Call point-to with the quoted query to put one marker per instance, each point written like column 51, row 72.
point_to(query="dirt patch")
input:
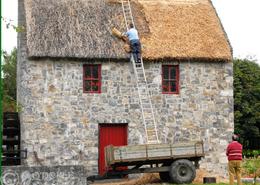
column 145, row 179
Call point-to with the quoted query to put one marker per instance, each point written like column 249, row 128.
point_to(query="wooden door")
column 110, row 134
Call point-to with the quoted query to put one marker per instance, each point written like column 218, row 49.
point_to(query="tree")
column 9, row 80
column 247, row 98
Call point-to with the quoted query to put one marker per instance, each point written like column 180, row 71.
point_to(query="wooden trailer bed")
column 151, row 152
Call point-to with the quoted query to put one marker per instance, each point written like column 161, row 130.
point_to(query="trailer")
column 175, row 163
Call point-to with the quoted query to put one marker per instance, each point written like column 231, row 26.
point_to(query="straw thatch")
column 82, row 29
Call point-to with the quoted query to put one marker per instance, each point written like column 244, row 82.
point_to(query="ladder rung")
column 150, row 125
column 152, row 137
column 147, row 109
column 151, row 133
column 144, row 98
column 152, row 141
column 147, row 113
column 142, row 85
column 142, row 88
column 146, row 104
column 143, row 92
column 150, row 111
column 148, row 120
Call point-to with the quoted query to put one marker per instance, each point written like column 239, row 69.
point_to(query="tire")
column 182, row 172
column 164, row 176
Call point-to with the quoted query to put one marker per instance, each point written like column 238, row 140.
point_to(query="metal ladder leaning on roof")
column 143, row 91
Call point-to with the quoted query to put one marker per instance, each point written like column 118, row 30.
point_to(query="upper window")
column 170, row 79
column 92, row 78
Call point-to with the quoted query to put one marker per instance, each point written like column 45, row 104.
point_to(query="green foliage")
column 252, row 166
column 251, row 153
column 9, row 81
column 247, row 98
column 221, row 183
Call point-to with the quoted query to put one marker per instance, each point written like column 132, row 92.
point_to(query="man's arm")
column 227, row 150
column 125, row 33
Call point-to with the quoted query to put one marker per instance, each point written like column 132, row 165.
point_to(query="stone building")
column 77, row 87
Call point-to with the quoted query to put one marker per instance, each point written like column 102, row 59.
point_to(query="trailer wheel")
column 182, row 171
column 164, row 176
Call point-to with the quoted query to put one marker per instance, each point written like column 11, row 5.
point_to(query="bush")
column 251, row 153
column 252, row 166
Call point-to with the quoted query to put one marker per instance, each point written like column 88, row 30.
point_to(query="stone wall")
column 58, row 175
column 58, row 118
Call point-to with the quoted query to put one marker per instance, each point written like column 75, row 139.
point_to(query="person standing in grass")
column 234, row 154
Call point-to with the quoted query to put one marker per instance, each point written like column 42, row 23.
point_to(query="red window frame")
column 95, row 82
column 167, row 89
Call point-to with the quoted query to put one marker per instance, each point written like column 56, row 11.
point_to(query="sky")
column 240, row 19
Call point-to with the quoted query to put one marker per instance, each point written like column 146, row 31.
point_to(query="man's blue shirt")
column 132, row 34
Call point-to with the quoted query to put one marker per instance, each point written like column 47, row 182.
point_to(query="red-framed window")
column 170, row 79
column 92, row 78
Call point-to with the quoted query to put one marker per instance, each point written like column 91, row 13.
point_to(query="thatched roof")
column 82, row 29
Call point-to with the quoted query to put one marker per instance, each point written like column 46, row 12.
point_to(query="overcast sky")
column 240, row 19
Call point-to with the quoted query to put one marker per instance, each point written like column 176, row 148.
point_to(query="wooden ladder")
column 148, row 117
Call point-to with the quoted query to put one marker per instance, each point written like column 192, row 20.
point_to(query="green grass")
column 211, row 184
column 214, row 184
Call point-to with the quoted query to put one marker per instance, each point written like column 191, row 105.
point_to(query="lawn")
column 225, row 184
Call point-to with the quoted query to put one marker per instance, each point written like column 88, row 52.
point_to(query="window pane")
column 95, row 85
column 165, row 72
column 173, row 72
column 95, row 71
column 87, row 72
column 165, row 86
column 87, row 85
column 173, row 87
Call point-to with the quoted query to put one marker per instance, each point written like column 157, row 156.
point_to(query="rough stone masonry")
column 60, row 122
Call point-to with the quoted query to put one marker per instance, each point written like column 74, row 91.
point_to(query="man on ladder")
column 135, row 45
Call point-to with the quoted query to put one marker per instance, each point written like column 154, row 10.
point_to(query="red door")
column 110, row 134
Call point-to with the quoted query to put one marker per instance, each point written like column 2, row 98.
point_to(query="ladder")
column 148, row 117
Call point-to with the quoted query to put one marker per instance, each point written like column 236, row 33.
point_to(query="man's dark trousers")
column 136, row 49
